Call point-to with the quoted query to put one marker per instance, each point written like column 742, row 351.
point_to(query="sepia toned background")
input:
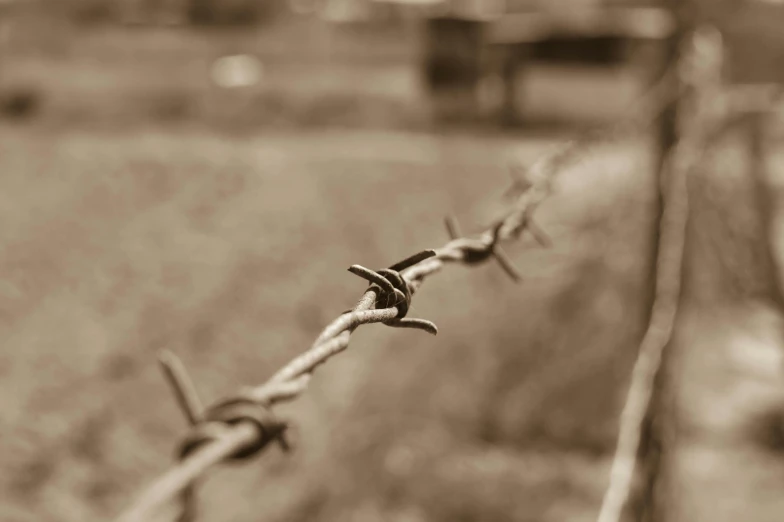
column 198, row 176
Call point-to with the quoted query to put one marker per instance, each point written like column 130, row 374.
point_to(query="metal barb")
column 182, row 386
column 284, row 442
column 189, row 403
column 520, row 185
column 500, row 255
column 507, row 265
column 396, row 292
column 475, row 251
column 372, row 277
column 418, row 324
column 452, row 227
column 538, row 233
column 413, row 260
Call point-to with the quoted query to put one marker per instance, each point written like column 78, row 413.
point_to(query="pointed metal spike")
column 452, row 227
column 539, row 234
column 182, row 385
column 418, row 324
column 519, row 185
column 412, row 260
column 372, row 277
column 283, row 440
column 507, row 265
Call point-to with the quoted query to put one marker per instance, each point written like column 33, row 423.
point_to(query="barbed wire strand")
column 695, row 73
column 647, row 106
column 242, row 425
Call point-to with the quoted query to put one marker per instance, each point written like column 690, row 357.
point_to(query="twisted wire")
column 239, row 427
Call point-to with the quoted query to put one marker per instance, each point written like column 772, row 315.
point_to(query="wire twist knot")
column 475, row 251
column 218, row 418
column 395, row 292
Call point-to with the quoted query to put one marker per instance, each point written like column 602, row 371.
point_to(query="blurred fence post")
column 703, row 109
column 646, row 504
column 650, row 448
column 649, row 503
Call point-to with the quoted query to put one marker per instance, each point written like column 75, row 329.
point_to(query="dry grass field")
column 234, row 254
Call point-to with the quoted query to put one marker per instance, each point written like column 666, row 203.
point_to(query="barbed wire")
column 239, row 427
column 699, row 72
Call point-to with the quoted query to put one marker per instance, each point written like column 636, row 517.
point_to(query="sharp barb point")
column 453, row 227
column 182, row 385
column 507, row 265
column 284, row 443
column 418, row 324
column 539, row 234
column 372, row 277
column 413, row 260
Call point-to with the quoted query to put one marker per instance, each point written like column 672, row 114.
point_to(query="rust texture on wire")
column 241, row 426
column 699, row 71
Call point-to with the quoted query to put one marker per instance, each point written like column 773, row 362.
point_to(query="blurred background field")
column 144, row 206
column 236, row 257
column 310, row 73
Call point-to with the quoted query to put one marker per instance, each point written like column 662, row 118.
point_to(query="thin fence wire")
column 699, row 71
column 239, row 427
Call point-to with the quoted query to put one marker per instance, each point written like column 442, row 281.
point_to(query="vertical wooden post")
column 650, row 501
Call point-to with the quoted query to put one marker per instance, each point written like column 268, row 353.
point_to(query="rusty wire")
column 699, row 71
column 239, row 427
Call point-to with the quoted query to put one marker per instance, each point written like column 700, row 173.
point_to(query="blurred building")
column 468, row 42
